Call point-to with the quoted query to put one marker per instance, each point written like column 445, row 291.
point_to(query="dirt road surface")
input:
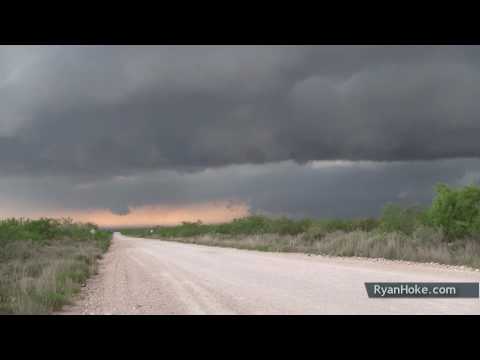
column 142, row 276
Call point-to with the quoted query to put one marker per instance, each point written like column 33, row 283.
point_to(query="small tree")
column 456, row 211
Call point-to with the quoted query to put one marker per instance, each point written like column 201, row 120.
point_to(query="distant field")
column 44, row 262
column 448, row 232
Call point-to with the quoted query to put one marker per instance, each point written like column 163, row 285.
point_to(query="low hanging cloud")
column 317, row 189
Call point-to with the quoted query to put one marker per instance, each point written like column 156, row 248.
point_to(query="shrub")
column 456, row 211
column 316, row 231
column 395, row 218
column 284, row 226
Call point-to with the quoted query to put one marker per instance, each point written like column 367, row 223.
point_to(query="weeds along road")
column 142, row 276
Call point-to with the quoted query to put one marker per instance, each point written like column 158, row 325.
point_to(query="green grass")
column 43, row 263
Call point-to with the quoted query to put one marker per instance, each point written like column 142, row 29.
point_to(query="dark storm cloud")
column 104, row 111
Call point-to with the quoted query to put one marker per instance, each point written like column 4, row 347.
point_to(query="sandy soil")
column 141, row 276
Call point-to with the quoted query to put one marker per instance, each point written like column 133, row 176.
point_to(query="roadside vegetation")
column 43, row 263
column 447, row 232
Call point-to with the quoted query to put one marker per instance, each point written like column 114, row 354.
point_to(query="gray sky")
column 301, row 131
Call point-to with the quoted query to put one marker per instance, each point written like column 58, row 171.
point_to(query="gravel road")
column 142, row 276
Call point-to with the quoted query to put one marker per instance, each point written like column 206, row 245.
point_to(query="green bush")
column 316, row 231
column 456, row 211
column 368, row 224
column 395, row 218
column 48, row 229
column 285, row 226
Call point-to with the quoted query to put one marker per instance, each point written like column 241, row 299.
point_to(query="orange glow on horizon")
column 214, row 212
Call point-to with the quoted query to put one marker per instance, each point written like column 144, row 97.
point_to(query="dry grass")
column 424, row 245
column 40, row 278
